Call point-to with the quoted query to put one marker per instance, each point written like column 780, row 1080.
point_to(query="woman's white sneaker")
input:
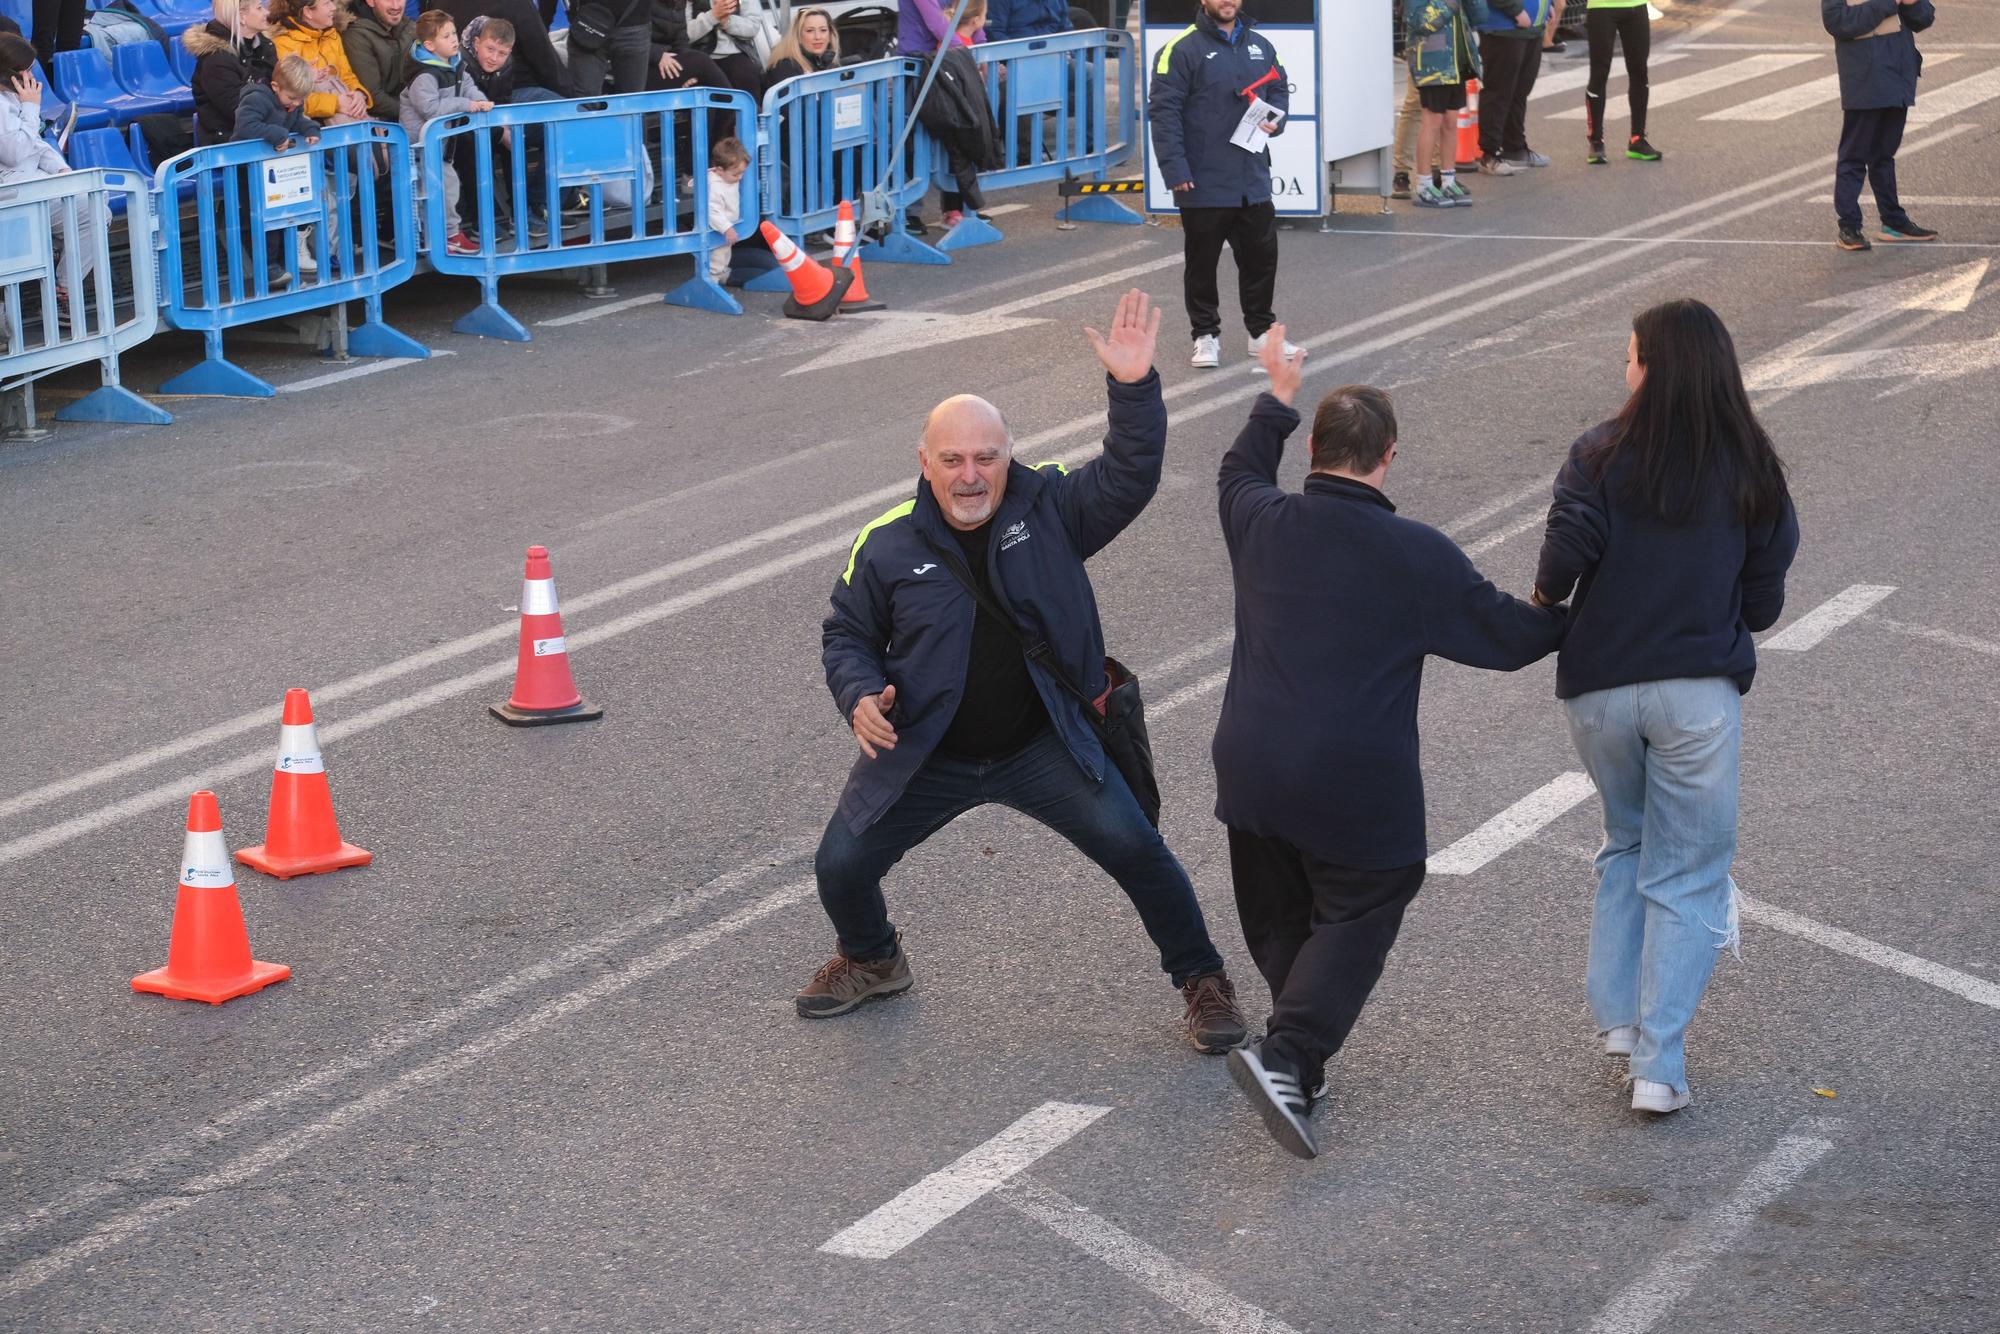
column 1651, row 1096
column 1622, row 1040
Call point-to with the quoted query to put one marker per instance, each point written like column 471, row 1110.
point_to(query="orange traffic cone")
column 816, row 289
column 301, row 836
column 1468, row 126
column 208, row 958
column 544, row 691
column 847, row 255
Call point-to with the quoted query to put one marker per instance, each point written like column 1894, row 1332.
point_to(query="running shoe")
column 1622, row 1040
column 1274, row 1092
column 1530, row 158
column 952, row 217
column 1497, row 166
column 1460, row 196
column 1257, row 350
column 1596, row 156
column 1909, row 231
column 1429, row 196
column 1207, row 352
column 1641, row 151
column 458, row 243
column 1851, row 238
column 1652, row 1096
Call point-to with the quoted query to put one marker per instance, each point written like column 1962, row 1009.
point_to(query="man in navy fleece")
column 1338, row 602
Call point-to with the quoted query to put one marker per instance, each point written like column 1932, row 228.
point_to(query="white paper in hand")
column 1251, row 136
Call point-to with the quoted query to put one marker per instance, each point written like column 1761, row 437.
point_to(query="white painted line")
column 1189, row 657
column 1700, row 84
column 1492, row 540
column 1002, row 210
column 1646, row 240
column 946, row 1191
column 599, row 310
column 1821, row 47
column 355, row 372
column 1523, row 820
column 1790, row 101
column 33, row 1273
column 1567, row 314
column 1975, row 989
column 1986, row 646
column 1673, row 1275
column 1709, row 25
column 1573, row 80
column 1186, row 1291
column 1189, row 694
column 1935, row 104
column 1473, row 518
column 1926, row 201
column 1827, row 617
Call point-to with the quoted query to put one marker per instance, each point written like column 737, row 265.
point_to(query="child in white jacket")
column 728, row 160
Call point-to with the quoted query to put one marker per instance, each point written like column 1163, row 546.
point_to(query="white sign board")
column 288, row 182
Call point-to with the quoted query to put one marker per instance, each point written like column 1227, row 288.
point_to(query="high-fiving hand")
column 871, row 722
column 1285, row 372
column 1127, row 353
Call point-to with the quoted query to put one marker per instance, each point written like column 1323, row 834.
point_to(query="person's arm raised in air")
column 1100, row 498
column 1248, row 479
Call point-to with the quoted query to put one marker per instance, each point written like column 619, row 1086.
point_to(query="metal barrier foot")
column 221, row 378
column 376, row 339
column 899, row 247
column 114, row 403
column 702, row 293
column 489, row 321
column 972, row 230
column 1102, row 208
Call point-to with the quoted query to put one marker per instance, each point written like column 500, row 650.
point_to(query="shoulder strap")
column 1038, row 651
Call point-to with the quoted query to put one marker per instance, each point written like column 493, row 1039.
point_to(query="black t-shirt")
column 1000, row 712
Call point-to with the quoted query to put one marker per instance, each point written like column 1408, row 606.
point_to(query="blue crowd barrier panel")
column 266, row 235
column 1066, row 106
column 831, row 136
column 68, row 295
column 566, row 185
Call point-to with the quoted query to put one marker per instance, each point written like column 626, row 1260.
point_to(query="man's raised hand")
column 1127, row 353
column 1285, row 372
column 871, row 722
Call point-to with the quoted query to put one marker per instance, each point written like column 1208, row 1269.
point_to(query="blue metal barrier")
column 1052, row 100
column 831, row 136
column 43, row 329
column 240, row 251
column 620, row 153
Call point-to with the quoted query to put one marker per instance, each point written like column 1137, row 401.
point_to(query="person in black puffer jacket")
column 230, row 51
column 811, row 46
column 958, row 116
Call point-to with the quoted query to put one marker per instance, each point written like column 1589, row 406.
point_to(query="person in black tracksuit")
column 1875, row 46
column 1223, row 192
column 1338, row 602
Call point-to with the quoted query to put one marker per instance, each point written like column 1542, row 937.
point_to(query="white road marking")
column 1673, row 1275
column 716, row 483
column 1473, row 518
column 355, row 372
column 1699, row 84
column 1914, row 364
column 1492, row 540
column 1188, row 694
column 1188, row 657
column 1809, row 629
column 598, row 310
column 1937, row 290
column 1179, row 1287
column 1789, row 101
column 1573, row 80
column 1935, row 104
column 1925, row 201
column 1523, row 820
column 1975, row 989
column 33, row 1273
column 949, row 1189
column 1567, row 314
column 1647, row 240
column 1709, row 25
column 1986, row 646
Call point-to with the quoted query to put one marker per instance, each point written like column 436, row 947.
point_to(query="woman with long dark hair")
column 1673, row 526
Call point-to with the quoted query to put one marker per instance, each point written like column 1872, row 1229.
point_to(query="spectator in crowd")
column 230, row 50
column 1673, row 525
column 1007, row 19
column 739, row 258
column 1875, row 50
column 58, row 26
column 26, row 156
column 959, row 117
column 610, row 38
column 1202, row 80
column 811, row 45
column 488, row 56
column 440, row 85
column 310, row 29
column 922, row 27
column 1439, row 50
column 378, row 45
column 1552, row 39
column 1510, row 53
column 676, row 62
column 275, row 112
column 926, row 656
column 1409, row 116
column 1627, row 23
column 540, row 66
column 1317, row 775
column 738, row 35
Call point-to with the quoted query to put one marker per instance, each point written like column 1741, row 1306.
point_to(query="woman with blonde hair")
column 811, row 44
column 310, row 30
column 231, row 50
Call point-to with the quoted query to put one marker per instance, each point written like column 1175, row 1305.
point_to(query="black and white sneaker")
column 1274, row 1091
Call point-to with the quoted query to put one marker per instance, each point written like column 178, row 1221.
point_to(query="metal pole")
column 885, row 192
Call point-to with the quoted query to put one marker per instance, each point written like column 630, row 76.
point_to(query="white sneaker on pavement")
column 1207, row 352
column 1622, row 1040
column 1651, row 1096
column 1257, row 350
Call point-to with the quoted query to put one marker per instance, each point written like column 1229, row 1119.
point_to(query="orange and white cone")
column 1468, row 126
column 301, row 837
column 208, row 958
column 816, row 289
column 847, row 255
column 544, row 690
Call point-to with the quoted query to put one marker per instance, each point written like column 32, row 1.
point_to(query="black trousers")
column 57, row 26
column 1512, row 63
column 1630, row 27
column 1868, row 143
column 1320, row 934
column 1251, row 232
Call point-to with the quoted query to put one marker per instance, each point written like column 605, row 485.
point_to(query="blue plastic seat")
column 142, row 67
column 87, row 118
column 22, row 12
column 183, row 62
column 104, row 148
column 84, row 76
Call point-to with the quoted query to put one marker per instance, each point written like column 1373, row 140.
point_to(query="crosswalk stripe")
column 1954, row 98
column 1707, row 81
column 1790, row 101
column 1573, row 80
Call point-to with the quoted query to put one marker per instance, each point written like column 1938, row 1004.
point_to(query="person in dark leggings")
column 58, row 26
column 1624, row 21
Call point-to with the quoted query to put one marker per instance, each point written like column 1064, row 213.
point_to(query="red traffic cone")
column 544, row 691
column 1468, row 126
column 301, row 836
column 847, row 255
column 816, row 289
column 208, row 958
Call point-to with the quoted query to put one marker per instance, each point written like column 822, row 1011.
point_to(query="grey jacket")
column 434, row 90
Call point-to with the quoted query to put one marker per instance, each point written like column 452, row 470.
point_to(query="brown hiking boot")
column 1213, row 1022
column 843, row 983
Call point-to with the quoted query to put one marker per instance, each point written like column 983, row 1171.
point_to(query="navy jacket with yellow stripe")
column 900, row 617
column 1195, row 102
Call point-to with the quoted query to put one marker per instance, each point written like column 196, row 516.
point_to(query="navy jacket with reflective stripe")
column 900, row 616
column 1194, row 104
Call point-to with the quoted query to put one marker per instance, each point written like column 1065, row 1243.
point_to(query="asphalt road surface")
column 537, row 1067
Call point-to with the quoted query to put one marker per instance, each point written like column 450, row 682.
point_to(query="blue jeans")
column 1043, row 782
column 1664, row 757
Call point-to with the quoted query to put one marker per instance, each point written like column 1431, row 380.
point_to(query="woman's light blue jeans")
column 1663, row 755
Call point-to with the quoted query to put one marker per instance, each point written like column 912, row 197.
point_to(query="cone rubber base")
column 862, row 306
column 823, row 308
column 160, row 982
column 581, row 711
column 257, row 859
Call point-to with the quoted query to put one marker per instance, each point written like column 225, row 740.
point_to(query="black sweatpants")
column 56, row 25
column 1512, row 63
column 1634, row 35
column 1251, row 231
column 1320, row 934
column 1868, row 143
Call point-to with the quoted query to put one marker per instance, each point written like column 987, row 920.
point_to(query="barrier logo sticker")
column 288, row 182
column 847, row 112
column 207, row 877
column 548, row 648
column 301, row 764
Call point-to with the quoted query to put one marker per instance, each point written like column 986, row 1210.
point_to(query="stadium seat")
column 142, row 67
column 183, row 63
column 57, row 110
column 84, row 77
column 104, row 148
